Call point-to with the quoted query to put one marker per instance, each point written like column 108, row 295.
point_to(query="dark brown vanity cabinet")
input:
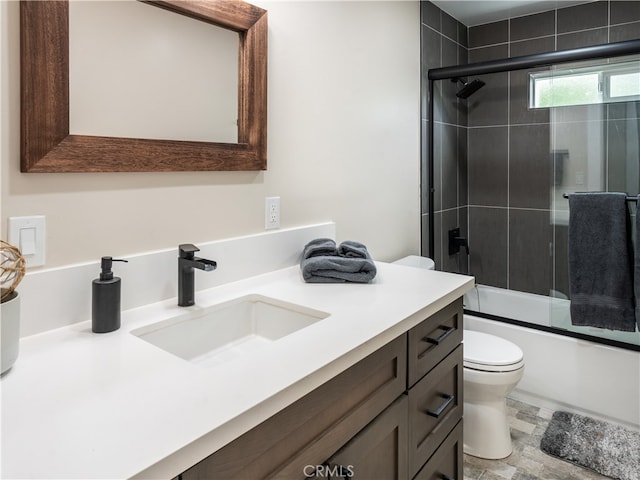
column 396, row 414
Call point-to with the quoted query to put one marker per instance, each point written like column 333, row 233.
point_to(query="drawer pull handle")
column 448, row 399
column 445, row 334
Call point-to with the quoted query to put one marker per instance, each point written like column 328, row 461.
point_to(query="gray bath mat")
column 606, row 448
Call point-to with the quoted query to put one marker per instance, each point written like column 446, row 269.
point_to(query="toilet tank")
column 416, row 261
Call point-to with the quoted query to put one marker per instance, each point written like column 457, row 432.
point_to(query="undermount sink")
column 217, row 334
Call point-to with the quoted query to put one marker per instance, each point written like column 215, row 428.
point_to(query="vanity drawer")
column 433, row 339
column 447, row 463
column 311, row 429
column 435, row 407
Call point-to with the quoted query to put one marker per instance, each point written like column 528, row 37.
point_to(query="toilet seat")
column 489, row 353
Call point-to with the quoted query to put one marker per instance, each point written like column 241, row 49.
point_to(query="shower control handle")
column 448, row 399
column 437, row 341
column 456, row 241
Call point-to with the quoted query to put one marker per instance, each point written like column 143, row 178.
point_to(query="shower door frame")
column 616, row 49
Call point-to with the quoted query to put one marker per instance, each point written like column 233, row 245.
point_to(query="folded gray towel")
column 350, row 262
column 319, row 246
column 351, row 249
column 600, row 269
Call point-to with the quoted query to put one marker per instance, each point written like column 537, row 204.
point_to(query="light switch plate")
column 28, row 234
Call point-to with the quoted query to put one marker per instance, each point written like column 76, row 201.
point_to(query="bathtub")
column 561, row 372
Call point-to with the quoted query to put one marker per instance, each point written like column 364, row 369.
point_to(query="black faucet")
column 186, row 278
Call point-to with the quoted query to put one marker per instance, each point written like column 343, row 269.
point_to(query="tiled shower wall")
column 496, row 186
column 444, row 43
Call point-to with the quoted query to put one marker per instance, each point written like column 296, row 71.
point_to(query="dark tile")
column 441, row 94
column 488, row 245
column 449, row 52
column 431, row 48
column 490, row 104
column 530, row 235
column 424, row 237
column 579, row 114
column 430, row 15
column 437, row 166
column 449, row 166
column 463, row 222
column 424, row 93
column 489, row 34
column 450, row 263
column 620, row 33
column 585, row 38
column 582, row 143
column 463, row 112
column 449, row 105
column 463, row 173
column 582, row 17
column 624, row 11
column 483, row 54
column 530, row 173
column 536, row 45
column 623, row 110
column 519, row 110
column 437, row 241
column 424, row 179
column 431, row 58
column 533, row 26
column 463, row 55
column 449, row 26
column 488, row 166
column 623, row 152
column 463, row 34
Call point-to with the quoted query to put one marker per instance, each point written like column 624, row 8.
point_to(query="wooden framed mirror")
column 47, row 146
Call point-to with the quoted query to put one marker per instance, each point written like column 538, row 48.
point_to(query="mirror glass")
column 178, row 79
column 51, row 142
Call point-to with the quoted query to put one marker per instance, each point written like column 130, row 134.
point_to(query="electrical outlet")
column 272, row 212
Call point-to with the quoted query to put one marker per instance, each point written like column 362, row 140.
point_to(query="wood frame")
column 47, row 146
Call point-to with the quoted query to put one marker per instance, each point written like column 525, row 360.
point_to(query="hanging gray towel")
column 600, row 261
column 636, row 269
column 323, row 262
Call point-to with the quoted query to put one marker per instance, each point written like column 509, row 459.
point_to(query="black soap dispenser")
column 105, row 299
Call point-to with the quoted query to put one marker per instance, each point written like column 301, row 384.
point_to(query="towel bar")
column 629, row 199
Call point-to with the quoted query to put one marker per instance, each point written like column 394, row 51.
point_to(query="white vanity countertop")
column 83, row 405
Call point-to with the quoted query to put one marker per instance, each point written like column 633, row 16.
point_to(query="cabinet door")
column 312, row 429
column 379, row 451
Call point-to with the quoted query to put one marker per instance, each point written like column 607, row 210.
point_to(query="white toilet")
column 493, row 366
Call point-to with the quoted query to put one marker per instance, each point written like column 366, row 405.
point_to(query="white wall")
column 343, row 145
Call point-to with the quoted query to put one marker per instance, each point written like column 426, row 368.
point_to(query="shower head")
column 469, row 88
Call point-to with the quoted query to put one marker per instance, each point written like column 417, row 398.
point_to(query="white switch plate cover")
column 21, row 235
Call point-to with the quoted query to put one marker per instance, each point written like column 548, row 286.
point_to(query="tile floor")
column 527, row 462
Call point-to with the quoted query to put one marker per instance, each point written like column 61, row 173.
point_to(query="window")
column 618, row 82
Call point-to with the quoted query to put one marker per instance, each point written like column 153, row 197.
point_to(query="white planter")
column 9, row 331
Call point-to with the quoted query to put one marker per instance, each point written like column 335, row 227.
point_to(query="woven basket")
column 12, row 268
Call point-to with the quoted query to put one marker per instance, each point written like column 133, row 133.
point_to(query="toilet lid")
column 486, row 352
